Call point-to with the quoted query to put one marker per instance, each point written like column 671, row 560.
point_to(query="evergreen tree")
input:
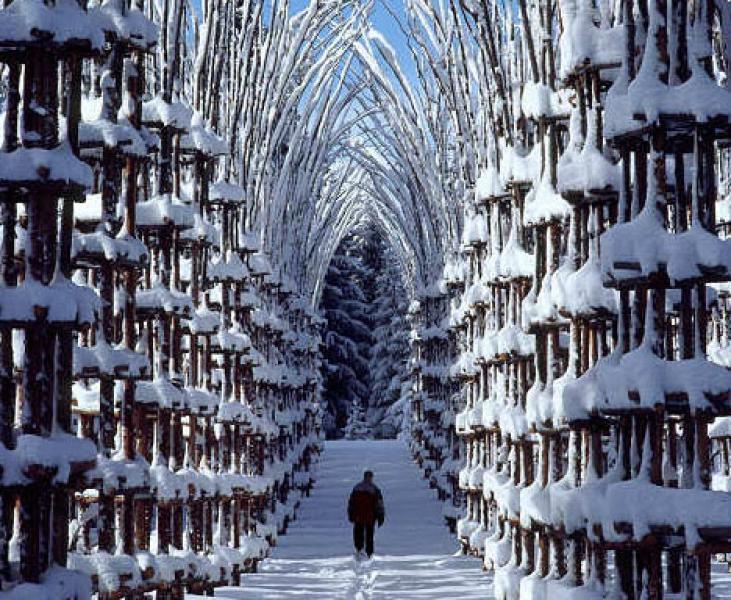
column 367, row 347
column 357, row 427
column 348, row 338
column 390, row 351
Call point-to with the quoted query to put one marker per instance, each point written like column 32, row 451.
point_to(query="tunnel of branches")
column 536, row 190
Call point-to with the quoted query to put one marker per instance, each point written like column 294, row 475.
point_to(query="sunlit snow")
column 414, row 550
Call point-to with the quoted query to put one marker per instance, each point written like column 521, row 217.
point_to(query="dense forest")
column 366, row 340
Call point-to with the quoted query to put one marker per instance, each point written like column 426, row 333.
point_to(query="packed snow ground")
column 414, row 551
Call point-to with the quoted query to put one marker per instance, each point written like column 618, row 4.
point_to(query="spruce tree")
column 348, row 338
column 364, row 302
column 390, row 351
column 357, row 427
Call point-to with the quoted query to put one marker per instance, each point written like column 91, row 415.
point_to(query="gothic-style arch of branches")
column 554, row 181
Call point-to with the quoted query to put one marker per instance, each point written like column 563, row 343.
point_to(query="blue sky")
column 383, row 22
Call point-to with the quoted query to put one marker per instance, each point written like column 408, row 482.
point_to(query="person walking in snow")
column 365, row 508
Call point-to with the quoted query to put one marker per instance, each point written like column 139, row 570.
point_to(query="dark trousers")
column 363, row 532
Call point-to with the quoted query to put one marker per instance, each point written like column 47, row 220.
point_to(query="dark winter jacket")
column 365, row 506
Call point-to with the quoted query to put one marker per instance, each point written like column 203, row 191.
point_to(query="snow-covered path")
column 414, row 550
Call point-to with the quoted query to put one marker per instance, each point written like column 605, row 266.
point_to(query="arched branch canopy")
column 339, row 136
